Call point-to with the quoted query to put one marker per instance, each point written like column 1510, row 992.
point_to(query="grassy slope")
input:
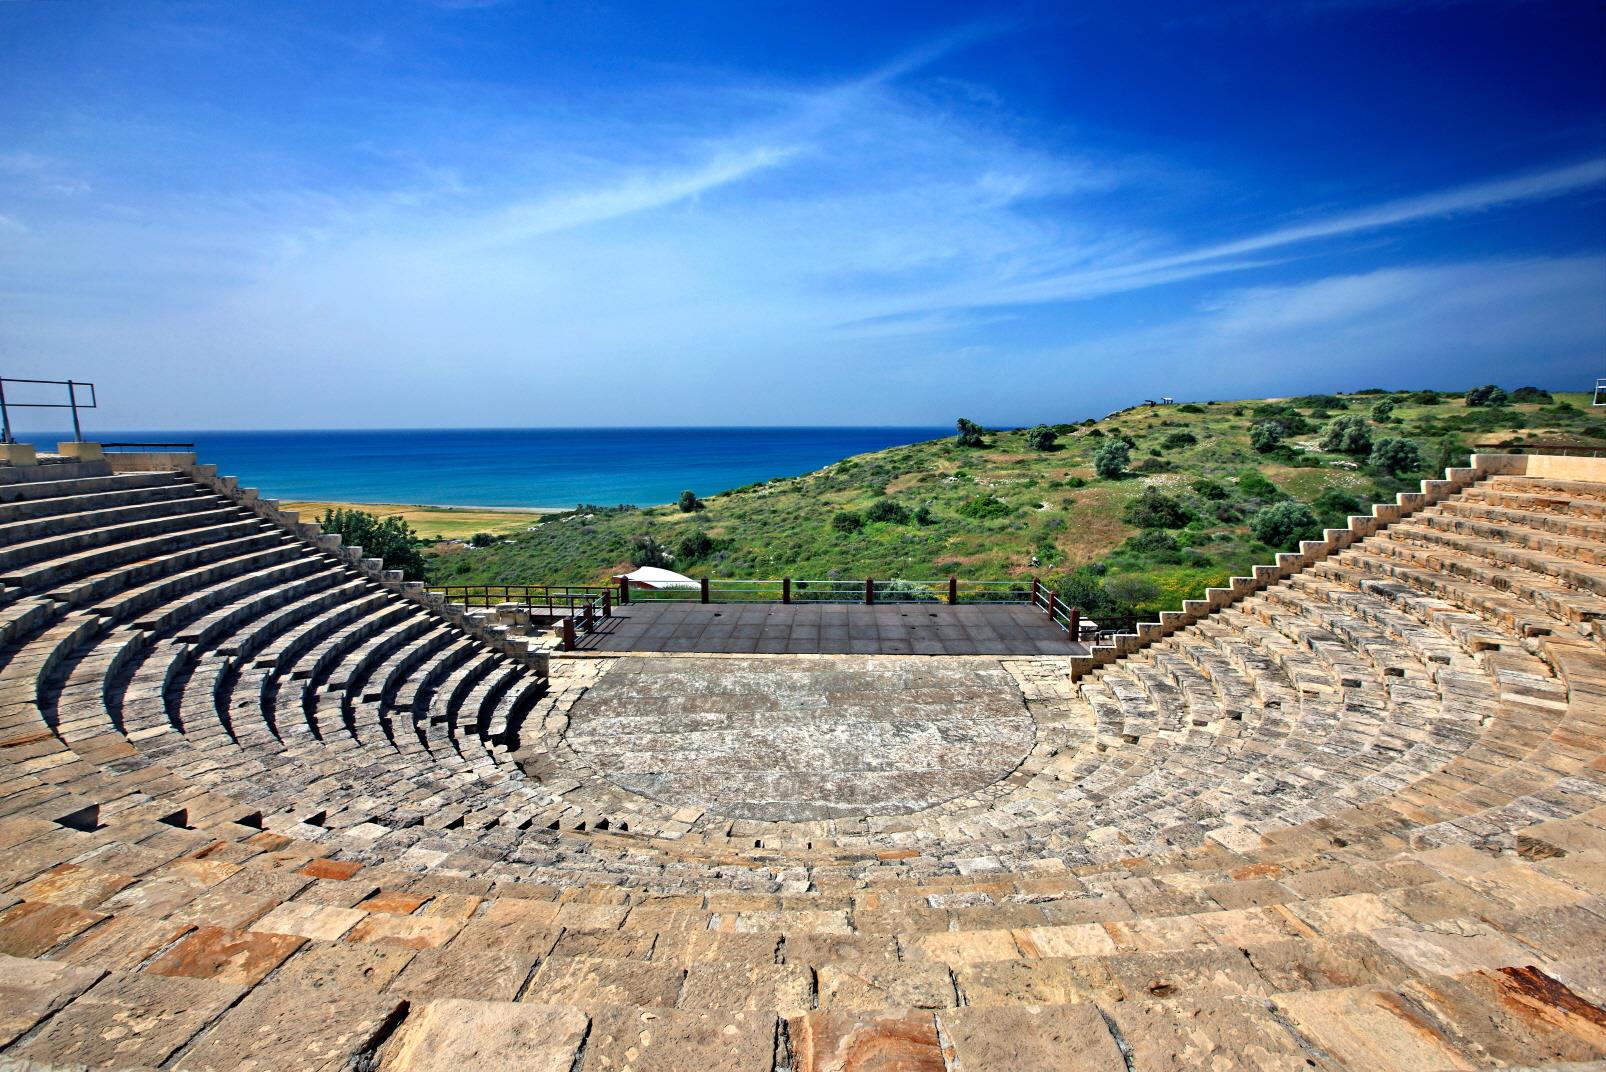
column 782, row 528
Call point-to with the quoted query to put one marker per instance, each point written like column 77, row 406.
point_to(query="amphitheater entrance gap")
column 802, row 738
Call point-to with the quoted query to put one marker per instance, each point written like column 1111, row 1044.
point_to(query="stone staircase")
column 262, row 808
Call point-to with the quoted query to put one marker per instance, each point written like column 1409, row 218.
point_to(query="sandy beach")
column 446, row 522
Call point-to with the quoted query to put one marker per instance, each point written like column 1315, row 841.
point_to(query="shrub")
column 1189, row 407
column 688, row 502
column 924, row 516
column 1395, row 456
column 1267, row 436
column 1151, row 541
column 1424, row 398
column 847, row 521
column 1042, row 438
column 1209, row 489
column 898, row 590
column 1335, row 505
column 887, row 510
column 985, row 508
column 1131, row 591
column 1323, row 402
column 969, row 433
column 1348, row 435
column 1076, row 481
column 647, row 551
column 482, row 539
column 1253, row 484
column 1487, row 395
column 1154, row 509
column 1531, row 394
column 1178, row 440
column 1383, row 411
column 1293, row 422
column 693, row 547
column 391, row 539
column 1282, row 525
column 1111, row 459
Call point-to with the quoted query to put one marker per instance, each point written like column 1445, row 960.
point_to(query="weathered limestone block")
column 455, row 1035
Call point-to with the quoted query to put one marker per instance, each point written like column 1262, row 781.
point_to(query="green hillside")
column 1195, row 502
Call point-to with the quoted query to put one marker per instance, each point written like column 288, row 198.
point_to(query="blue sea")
column 531, row 467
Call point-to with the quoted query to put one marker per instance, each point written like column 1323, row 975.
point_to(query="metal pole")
column 72, row 401
column 5, row 412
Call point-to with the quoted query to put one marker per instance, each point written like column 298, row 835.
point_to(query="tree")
column 1042, row 438
column 1383, row 411
column 647, row 551
column 1487, row 395
column 969, row 433
column 1110, row 460
column 847, row 521
column 391, row 539
column 1209, row 489
column 1395, row 456
column 1348, row 435
column 482, row 539
column 1531, row 394
column 1267, row 436
column 1282, row 525
column 688, row 502
column 1154, row 509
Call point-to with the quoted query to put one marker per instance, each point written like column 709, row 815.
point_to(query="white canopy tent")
column 654, row 577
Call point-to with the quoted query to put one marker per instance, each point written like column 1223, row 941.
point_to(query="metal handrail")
column 72, row 403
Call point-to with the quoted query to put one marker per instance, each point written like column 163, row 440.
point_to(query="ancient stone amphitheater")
column 263, row 806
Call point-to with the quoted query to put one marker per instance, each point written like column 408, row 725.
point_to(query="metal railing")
column 553, row 598
column 584, row 607
column 72, row 403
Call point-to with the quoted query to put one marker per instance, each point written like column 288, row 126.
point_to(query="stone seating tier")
column 262, row 808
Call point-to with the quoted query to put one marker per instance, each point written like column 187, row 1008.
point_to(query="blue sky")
column 459, row 213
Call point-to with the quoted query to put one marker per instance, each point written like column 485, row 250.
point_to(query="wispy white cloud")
column 1232, row 256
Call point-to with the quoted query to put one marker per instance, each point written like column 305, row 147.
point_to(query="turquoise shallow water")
column 537, row 467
